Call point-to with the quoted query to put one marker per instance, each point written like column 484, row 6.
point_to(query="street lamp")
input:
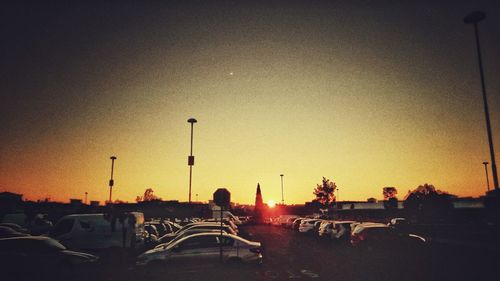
column 474, row 18
column 191, row 157
column 86, row 197
column 282, row 197
column 111, row 181
column 486, row 170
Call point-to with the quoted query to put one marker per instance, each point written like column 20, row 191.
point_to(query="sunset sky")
column 366, row 93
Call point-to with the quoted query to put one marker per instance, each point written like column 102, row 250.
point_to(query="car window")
column 63, row 227
column 199, row 242
column 358, row 229
column 226, row 241
column 381, row 232
column 85, row 225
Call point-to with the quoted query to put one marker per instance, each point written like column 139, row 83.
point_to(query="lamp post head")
column 112, row 157
column 192, row 120
column 485, row 163
column 281, row 175
column 474, row 17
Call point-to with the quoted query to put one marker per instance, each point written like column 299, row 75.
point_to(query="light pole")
column 474, row 18
column 486, row 171
column 111, row 181
column 86, row 197
column 191, row 157
column 282, row 197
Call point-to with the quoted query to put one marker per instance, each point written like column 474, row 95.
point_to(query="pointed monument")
column 259, row 206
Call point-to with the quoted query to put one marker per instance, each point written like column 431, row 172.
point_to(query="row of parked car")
column 357, row 234
column 201, row 241
column 82, row 238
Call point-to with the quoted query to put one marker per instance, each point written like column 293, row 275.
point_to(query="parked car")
column 7, row 232
column 15, row 227
column 341, row 230
column 325, row 229
column 289, row 222
column 275, row 221
column 317, row 224
column 151, row 229
column 16, row 218
column 171, row 226
column 226, row 221
column 40, row 225
column 205, row 226
column 161, row 227
column 232, row 226
column 203, row 248
column 381, row 236
column 39, row 254
column 191, row 232
column 296, row 223
column 96, row 231
column 282, row 220
column 400, row 224
column 307, row 225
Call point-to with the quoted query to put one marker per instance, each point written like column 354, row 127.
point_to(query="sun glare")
column 271, row 203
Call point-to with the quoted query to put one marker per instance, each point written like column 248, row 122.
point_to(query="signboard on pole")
column 222, row 198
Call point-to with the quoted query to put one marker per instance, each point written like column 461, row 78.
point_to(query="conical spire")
column 259, row 206
column 258, row 197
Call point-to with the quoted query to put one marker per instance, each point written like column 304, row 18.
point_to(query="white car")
column 325, row 229
column 99, row 231
column 203, row 248
column 307, row 225
column 341, row 229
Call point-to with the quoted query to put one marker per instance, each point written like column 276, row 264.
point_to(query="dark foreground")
column 289, row 255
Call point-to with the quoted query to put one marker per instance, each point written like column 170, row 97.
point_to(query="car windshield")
column 54, row 244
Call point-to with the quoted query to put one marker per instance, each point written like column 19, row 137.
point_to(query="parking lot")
column 289, row 255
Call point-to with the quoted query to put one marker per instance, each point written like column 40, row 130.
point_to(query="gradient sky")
column 366, row 93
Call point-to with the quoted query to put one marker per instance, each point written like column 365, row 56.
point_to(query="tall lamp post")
column 474, row 18
column 86, row 197
column 485, row 163
column 282, row 197
column 111, row 181
column 191, row 157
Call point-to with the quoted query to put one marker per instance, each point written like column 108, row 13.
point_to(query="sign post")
column 222, row 198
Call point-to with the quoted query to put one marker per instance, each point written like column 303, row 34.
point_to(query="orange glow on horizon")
column 271, row 203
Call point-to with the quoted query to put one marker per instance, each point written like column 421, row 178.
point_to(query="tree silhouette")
column 324, row 192
column 427, row 202
column 148, row 196
column 390, row 197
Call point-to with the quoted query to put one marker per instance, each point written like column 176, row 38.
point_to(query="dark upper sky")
column 83, row 78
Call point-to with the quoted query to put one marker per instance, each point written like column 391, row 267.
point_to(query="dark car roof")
column 29, row 241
